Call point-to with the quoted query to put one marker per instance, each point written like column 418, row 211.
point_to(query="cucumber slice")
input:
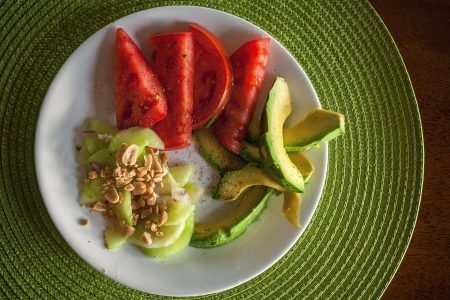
column 168, row 182
column 83, row 156
column 179, row 215
column 103, row 158
column 92, row 142
column 138, row 136
column 92, row 192
column 182, row 174
column 123, row 210
column 181, row 243
column 170, row 235
column 113, row 237
column 194, row 191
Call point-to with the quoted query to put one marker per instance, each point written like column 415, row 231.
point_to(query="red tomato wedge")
column 249, row 67
column 174, row 65
column 213, row 77
column 140, row 98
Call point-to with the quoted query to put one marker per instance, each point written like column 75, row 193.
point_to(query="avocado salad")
column 193, row 91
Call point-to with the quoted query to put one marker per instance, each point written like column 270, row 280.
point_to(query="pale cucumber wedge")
column 103, row 158
column 93, row 142
column 168, row 183
column 194, row 191
column 113, row 237
column 138, row 136
column 83, row 156
column 181, row 243
column 170, row 235
column 91, row 192
column 179, row 215
column 123, row 210
column 182, row 174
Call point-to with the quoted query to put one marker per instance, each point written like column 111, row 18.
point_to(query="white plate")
column 84, row 87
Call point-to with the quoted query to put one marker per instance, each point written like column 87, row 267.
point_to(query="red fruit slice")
column 174, row 65
column 249, row 67
column 212, row 79
column 140, row 99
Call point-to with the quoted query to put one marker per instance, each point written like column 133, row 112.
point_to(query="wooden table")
column 421, row 30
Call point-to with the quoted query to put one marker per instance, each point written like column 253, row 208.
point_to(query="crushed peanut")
column 84, row 222
column 127, row 231
column 111, row 194
column 163, row 218
column 146, row 213
column 159, row 234
column 146, row 238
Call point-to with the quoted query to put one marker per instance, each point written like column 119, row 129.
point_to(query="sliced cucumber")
column 182, row 174
column 83, row 156
column 194, row 191
column 113, row 237
column 103, row 158
column 168, row 183
column 179, row 215
column 92, row 192
column 181, row 243
column 170, row 235
column 93, row 142
column 138, row 136
column 123, row 210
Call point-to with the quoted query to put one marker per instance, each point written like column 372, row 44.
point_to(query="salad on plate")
column 192, row 92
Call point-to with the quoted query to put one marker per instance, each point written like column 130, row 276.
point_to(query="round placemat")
column 369, row 206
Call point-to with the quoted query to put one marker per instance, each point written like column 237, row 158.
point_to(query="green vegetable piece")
column 139, row 136
column 92, row 191
column 194, row 191
column 93, row 142
column 103, row 158
column 226, row 229
column 211, row 150
column 123, row 210
column 180, row 214
column 182, row 174
column 113, row 237
column 181, row 243
column 318, row 126
column 273, row 156
column 170, row 235
column 234, row 183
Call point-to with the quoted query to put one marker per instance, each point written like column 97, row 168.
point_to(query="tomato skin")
column 213, row 76
column 140, row 98
column 174, row 64
column 249, row 66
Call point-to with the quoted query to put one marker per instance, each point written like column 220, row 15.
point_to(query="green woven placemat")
column 368, row 209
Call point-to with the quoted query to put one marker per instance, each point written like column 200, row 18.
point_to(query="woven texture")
column 369, row 206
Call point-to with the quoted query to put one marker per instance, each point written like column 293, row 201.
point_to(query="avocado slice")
column 224, row 230
column 234, row 183
column 251, row 153
column 318, row 126
column 291, row 208
column 214, row 153
column 273, row 156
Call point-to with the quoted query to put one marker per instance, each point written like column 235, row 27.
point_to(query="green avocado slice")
column 214, row 153
column 318, row 126
column 234, row 183
column 273, row 155
column 224, row 230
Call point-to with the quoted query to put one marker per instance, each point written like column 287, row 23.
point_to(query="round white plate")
column 84, row 88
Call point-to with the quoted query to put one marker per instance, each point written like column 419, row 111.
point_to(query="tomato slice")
column 213, row 77
column 249, row 66
column 140, row 99
column 174, row 65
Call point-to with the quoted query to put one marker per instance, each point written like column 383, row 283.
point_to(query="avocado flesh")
column 273, row 155
column 298, row 158
column 291, row 208
column 214, row 153
column 224, row 230
column 234, row 183
column 318, row 126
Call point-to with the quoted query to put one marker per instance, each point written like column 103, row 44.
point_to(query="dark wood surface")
column 421, row 30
